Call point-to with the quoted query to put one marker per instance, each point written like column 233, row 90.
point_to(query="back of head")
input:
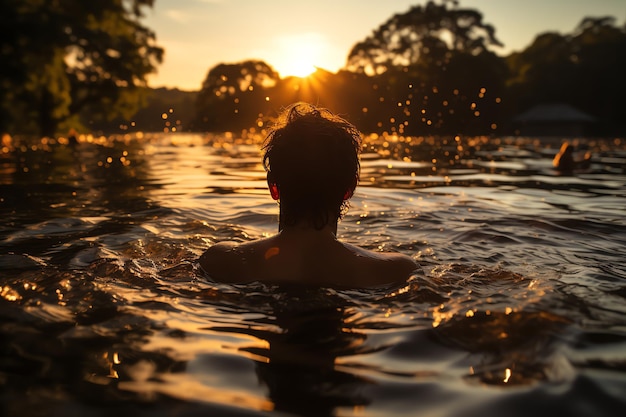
column 312, row 155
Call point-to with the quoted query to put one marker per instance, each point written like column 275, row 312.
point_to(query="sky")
column 296, row 36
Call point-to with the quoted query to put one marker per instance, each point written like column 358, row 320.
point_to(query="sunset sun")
column 298, row 66
column 299, row 55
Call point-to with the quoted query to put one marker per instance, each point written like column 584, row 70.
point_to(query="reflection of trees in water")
column 58, row 186
column 83, row 179
column 54, row 364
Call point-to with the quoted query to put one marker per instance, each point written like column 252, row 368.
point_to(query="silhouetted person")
column 564, row 160
column 312, row 163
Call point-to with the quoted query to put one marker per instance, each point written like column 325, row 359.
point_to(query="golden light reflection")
column 399, row 291
column 440, row 316
column 358, row 409
column 507, row 375
column 9, row 294
column 183, row 387
column 111, row 360
column 201, row 340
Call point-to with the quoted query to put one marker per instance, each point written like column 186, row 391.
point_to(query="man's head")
column 312, row 163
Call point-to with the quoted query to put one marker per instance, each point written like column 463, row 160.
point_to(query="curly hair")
column 312, row 156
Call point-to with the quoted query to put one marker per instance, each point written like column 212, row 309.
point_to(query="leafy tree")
column 432, row 69
column 423, row 36
column 583, row 68
column 68, row 58
column 234, row 95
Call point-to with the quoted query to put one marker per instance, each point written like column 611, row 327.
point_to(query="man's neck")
column 305, row 229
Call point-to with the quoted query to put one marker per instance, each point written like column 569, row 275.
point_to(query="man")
column 312, row 163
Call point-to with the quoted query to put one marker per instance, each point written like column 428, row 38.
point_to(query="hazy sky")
column 292, row 35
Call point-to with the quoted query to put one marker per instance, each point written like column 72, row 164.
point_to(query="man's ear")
column 273, row 187
column 350, row 191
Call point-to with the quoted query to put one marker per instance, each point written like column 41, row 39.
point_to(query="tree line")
column 428, row 71
column 431, row 70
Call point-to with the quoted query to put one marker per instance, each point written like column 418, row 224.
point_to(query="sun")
column 299, row 55
column 300, row 67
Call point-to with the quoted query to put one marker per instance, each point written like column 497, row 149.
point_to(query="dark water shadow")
column 298, row 368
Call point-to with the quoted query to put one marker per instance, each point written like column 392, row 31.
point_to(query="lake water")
column 518, row 308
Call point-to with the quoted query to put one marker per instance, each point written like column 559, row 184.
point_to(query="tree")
column 433, row 72
column 233, row 96
column 423, row 36
column 583, row 69
column 71, row 58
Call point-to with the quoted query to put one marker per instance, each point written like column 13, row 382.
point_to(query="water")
column 518, row 306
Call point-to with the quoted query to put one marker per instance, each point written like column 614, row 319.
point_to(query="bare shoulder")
column 378, row 268
column 402, row 261
column 217, row 252
column 230, row 261
column 398, row 265
column 389, row 257
column 220, row 261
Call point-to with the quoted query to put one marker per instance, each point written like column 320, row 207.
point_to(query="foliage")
column 425, row 37
column 233, row 95
column 584, row 69
column 67, row 58
column 430, row 72
column 423, row 72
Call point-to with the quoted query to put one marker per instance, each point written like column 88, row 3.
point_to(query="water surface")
column 518, row 306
